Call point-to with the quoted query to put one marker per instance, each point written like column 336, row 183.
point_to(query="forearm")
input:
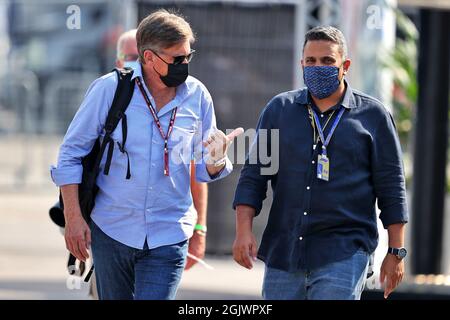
column 199, row 192
column 396, row 233
column 71, row 203
column 200, row 199
column 244, row 218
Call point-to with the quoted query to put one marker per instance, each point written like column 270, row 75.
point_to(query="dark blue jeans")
column 125, row 273
column 341, row 280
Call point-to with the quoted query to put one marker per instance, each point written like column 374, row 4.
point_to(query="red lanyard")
column 158, row 125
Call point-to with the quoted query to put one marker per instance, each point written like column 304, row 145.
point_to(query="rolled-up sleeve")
column 83, row 131
column 208, row 125
column 388, row 173
column 252, row 186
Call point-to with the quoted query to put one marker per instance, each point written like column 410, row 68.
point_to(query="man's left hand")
column 197, row 246
column 391, row 273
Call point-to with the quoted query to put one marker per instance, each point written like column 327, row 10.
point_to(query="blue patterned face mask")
column 322, row 81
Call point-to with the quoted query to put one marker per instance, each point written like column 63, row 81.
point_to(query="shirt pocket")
column 180, row 147
column 350, row 147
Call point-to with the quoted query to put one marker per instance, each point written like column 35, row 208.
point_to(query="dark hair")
column 328, row 33
column 161, row 30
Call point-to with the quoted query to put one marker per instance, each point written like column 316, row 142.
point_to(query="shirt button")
column 301, row 238
column 321, row 115
column 307, row 188
column 153, row 164
column 313, row 162
column 151, row 188
column 305, row 213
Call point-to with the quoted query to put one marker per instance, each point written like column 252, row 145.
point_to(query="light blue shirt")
column 149, row 205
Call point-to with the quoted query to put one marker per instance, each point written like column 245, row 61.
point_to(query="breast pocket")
column 350, row 144
column 180, row 147
column 180, row 142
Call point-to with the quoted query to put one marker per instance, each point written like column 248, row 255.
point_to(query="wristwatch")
column 220, row 162
column 398, row 252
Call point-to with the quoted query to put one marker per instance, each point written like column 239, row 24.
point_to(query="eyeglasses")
column 128, row 57
column 179, row 59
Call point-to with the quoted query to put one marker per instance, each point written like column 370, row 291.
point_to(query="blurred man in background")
column 127, row 52
column 127, row 56
column 339, row 153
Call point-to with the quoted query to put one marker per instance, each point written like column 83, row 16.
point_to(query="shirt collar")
column 348, row 101
column 137, row 72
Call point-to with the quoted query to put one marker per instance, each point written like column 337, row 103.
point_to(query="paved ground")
column 32, row 259
column 32, row 252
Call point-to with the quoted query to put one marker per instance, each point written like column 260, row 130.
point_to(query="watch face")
column 402, row 253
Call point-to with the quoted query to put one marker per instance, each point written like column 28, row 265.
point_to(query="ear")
column 149, row 56
column 347, row 64
column 119, row 64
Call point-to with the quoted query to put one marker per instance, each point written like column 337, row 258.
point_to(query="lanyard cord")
column 158, row 125
column 313, row 124
column 326, row 141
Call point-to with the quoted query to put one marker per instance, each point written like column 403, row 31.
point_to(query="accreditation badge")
column 323, row 167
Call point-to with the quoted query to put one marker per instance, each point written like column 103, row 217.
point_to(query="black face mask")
column 176, row 74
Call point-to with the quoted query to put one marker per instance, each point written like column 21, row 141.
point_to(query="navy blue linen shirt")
column 313, row 222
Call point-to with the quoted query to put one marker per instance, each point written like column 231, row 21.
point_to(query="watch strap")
column 394, row 251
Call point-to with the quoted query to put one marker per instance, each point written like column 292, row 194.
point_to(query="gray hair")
column 130, row 34
column 328, row 33
column 161, row 30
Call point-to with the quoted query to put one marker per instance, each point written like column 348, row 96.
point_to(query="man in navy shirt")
column 339, row 153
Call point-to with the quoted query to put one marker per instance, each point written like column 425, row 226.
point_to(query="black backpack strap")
column 89, row 274
column 124, row 140
column 122, row 98
column 71, row 263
